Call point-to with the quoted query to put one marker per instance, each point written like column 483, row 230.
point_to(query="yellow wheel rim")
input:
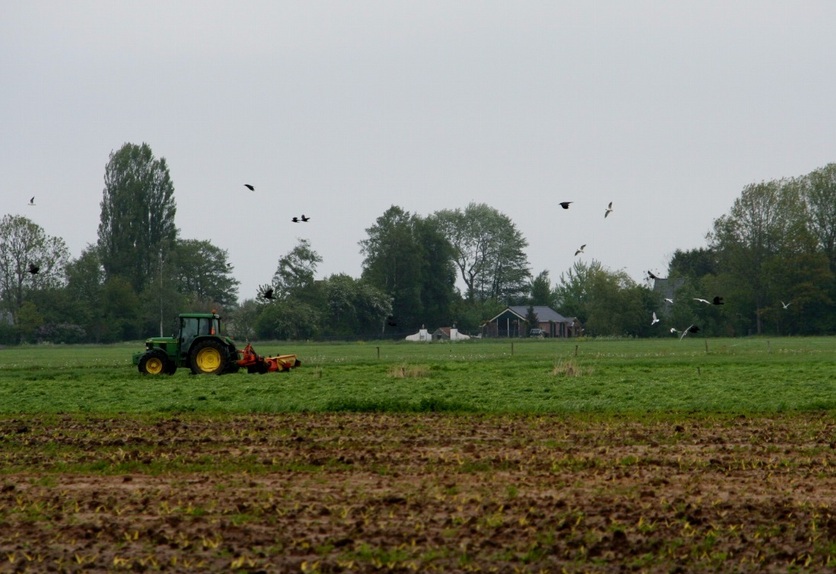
column 208, row 359
column 154, row 366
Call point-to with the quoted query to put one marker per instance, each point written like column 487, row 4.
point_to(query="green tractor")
column 200, row 347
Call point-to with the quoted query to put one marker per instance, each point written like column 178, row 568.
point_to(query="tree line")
column 772, row 258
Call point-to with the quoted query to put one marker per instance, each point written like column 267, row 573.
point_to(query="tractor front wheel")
column 208, row 358
column 155, row 362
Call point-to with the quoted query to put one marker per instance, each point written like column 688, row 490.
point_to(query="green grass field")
column 556, row 376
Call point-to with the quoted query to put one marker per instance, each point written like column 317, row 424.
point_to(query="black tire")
column 208, row 357
column 154, row 362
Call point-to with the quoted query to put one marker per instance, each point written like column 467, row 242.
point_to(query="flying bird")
column 608, row 211
column 32, row 201
column 669, row 300
column 785, row 305
column 690, row 329
column 294, row 219
column 652, row 275
column 391, row 321
column 266, row 293
column 33, row 268
column 706, row 301
column 565, row 204
column 580, row 249
column 717, row 301
column 655, row 319
column 250, row 187
column 304, row 218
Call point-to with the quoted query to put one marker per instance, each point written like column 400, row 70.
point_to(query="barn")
column 511, row 323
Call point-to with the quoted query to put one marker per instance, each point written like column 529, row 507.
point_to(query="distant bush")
column 67, row 333
column 8, row 334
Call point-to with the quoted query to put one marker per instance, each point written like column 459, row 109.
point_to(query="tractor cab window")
column 188, row 331
column 205, row 326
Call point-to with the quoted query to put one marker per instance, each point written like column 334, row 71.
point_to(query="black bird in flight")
column 608, row 211
column 717, row 301
column 266, row 293
column 33, row 269
column 250, row 187
column 652, row 275
column 304, row 218
column 294, row 219
column 32, row 201
column 565, row 204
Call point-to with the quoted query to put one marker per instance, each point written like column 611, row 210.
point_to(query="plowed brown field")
column 371, row 492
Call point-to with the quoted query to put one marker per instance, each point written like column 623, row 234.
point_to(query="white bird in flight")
column 580, row 249
column 785, row 305
column 690, row 329
column 706, row 301
column 655, row 319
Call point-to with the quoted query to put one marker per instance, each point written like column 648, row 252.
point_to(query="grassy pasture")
column 523, row 376
column 577, row 456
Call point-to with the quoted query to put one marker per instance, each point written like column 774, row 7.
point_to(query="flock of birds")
column 267, row 292
column 607, row 211
column 655, row 319
column 295, row 219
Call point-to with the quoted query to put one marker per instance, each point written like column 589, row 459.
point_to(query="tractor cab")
column 195, row 325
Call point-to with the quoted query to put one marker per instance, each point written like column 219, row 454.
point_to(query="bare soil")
column 401, row 493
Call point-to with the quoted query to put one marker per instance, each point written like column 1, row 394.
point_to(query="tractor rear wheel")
column 155, row 362
column 208, row 357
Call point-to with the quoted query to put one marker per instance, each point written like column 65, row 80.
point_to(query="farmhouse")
column 511, row 323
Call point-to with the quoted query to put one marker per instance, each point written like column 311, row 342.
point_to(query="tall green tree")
column 85, row 284
column 136, row 224
column 540, row 290
column 767, row 223
column 296, row 272
column 607, row 303
column 489, row 252
column 819, row 194
column 24, row 243
column 353, row 308
column 203, row 273
column 409, row 258
column 120, row 311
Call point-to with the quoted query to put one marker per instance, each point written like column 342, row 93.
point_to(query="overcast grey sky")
column 341, row 109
